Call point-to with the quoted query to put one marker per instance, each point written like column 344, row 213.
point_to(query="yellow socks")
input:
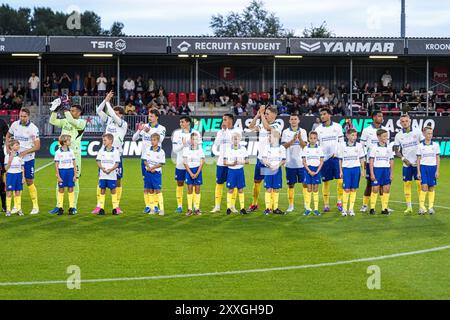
column 60, row 200
column 242, row 200
column 340, row 189
column 160, row 201
column 119, row 194
column 219, row 191
column 385, row 201
column 18, row 202
column 373, row 200
column 268, row 200
column 115, row 200
column 179, row 194
column 33, row 195
column 146, row 200
column 291, row 196
column 197, row 200
column 366, row 200
column 352, row 200
column 275, row 197
column 326, row 193
column 422, row 196
column 345, row 197
column 308, row 200
column 190, row 198
column 102, row 201
column 430, row 199
column 419, row 187
column 256, row 190
column 71, row 196
column 407, row 190
column 98, row 196
column 153, row 201
column 316, row 200
column 233, row 200
column 229, row 200
column 8, row 203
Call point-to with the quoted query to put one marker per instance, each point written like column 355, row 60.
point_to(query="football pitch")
column 215, row 256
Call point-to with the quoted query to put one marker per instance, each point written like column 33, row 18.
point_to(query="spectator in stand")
column 130, row 109
column 312, row 101
column 238, row 109
column 401, row 98
column 407, row 88
column 65, row 84
column 284, row 90
column 161, row 99
column 376, row 88
column 139, row 101
column 151, row 85
column 171, row 109
column 185, row 110
column 316, row 124
column 224, row 95
column 295, row 91
column 89, row 84
column 47, row 86
column 20, row 90
column 76, row 98
column 323, row 100
column 203, row 94
column 77, row 84
column 347, row 124
column 140, row 85
column 355, row 85
column 386, row 78
column 213, row 95
column 112, row 84
column 101, row 84
column 128, row 87
column 34, row 84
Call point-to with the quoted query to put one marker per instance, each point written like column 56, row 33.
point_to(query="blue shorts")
column 274, row 181
column 351, row 177
column 67, row 178
column 330, row 169
column 29, row 169
column 295, row 175
column 119, row 169
column 153, row 180
column 258, row 175
column 14, row 182
column 107, row 184
column 197, row 181
column 308, row 179
column 382, row 177
column 221, row 174
column 428, row 175
column 180, row 174
column 236, row 178
column 409, row 173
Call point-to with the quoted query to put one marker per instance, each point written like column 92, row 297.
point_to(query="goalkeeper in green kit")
column 71, row 125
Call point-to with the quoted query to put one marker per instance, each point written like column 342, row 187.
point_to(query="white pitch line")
column 234, row 272
column 44, row 166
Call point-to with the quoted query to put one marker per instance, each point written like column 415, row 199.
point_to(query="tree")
column 254, row 21
column 45, row 21
column 318, row 32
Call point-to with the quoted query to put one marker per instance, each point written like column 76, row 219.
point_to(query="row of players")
column 329, row 136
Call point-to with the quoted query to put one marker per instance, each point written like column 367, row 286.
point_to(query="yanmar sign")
column 336, row 46
column 429, row 47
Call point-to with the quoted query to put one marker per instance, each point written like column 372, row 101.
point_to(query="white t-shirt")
column 312, row 155
column 193, row 157
column 351, row 155
column 34, row 82
column 147, row 136
column 263, row 139
column 154, row 157
column 224, row 141
column 178, row 146
column 369, row 137
column 381, row 155
column 119, row 132
column 238, row 154
column 428, row 153
column 64, row 159
column 329, row 138
column 409, row 142
column 26, row 135
column 16, row 164
column 108, row 159
column 386, row 79
column 101, row 83
column 274, row 155
column 294, row 152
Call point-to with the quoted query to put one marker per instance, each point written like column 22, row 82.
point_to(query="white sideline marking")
column 234, row 272
column 44, row 166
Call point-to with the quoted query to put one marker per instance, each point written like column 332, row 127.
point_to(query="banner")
column 22, row 44
column 429, row 46
column 440, row 74
column 259, row 46
column 108, row 44
column 210, row 125
column 342, row 46
column 226, row 73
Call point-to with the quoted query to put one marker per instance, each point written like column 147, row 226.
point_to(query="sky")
column 379, row 18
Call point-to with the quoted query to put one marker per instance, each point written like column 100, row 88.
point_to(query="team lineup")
column 310, row 158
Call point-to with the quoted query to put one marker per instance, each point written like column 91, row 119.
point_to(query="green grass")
column 40, row 248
